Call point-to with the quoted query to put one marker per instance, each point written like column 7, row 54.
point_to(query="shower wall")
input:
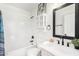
column 16, row 27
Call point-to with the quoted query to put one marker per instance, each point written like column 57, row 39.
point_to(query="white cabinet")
column 45, row 53
column 54, row 49
column 41, row 21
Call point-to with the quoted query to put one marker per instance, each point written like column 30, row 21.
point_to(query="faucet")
column 62, row 41
column 32, row 39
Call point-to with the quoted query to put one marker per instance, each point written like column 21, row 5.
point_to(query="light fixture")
column 48, row 27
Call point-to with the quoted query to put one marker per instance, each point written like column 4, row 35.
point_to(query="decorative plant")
column 76, row 43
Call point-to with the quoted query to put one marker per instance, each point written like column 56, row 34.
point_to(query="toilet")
column 34, row 52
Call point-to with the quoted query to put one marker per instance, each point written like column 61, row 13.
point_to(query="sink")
column 59, row 49
column 68, row 50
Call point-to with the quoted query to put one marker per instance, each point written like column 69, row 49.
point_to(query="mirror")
column 64, row 21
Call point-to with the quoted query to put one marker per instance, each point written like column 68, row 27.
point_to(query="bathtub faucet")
column 32, row 39
column 31, row 42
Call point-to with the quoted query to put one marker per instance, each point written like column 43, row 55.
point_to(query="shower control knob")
column 31, row 40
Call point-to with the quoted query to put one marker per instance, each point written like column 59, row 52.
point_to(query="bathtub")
column 24, row 51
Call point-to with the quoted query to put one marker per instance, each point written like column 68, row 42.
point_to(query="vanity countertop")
column 58, row 50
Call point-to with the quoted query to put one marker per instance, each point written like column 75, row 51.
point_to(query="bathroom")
column 29, row 29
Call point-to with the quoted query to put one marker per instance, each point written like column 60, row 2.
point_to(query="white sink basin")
column 57, row 49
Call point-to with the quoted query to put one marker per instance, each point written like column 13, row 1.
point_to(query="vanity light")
column 48, row 27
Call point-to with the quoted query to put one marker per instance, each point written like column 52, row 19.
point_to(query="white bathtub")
column 22, row 51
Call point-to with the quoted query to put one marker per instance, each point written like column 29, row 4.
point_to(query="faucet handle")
column 68, row 44
column 31, row 40
column 58, row 41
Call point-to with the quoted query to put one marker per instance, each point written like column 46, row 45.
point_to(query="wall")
column 42, row 36
column 19, row 28
column 16, row 27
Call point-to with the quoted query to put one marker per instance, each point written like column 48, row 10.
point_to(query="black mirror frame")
column 62, row 36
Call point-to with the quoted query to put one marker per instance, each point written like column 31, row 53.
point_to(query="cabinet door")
column 45, row 53
column 41, row 21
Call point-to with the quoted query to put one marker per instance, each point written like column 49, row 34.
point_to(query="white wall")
column 42, row 36
column 19, row 28
column 16, row 27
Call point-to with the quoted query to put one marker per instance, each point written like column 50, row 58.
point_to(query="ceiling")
column 26, row 6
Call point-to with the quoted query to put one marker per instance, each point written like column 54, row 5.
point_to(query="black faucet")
column 32, row 39
column 62, row 41
column 58, row 41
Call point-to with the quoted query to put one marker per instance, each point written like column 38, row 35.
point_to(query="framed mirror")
column 66, row 21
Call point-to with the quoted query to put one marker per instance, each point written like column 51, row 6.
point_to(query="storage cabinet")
column 45, row 53
column 41, row 22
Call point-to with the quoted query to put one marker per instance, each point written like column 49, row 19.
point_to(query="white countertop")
column 58, row 50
